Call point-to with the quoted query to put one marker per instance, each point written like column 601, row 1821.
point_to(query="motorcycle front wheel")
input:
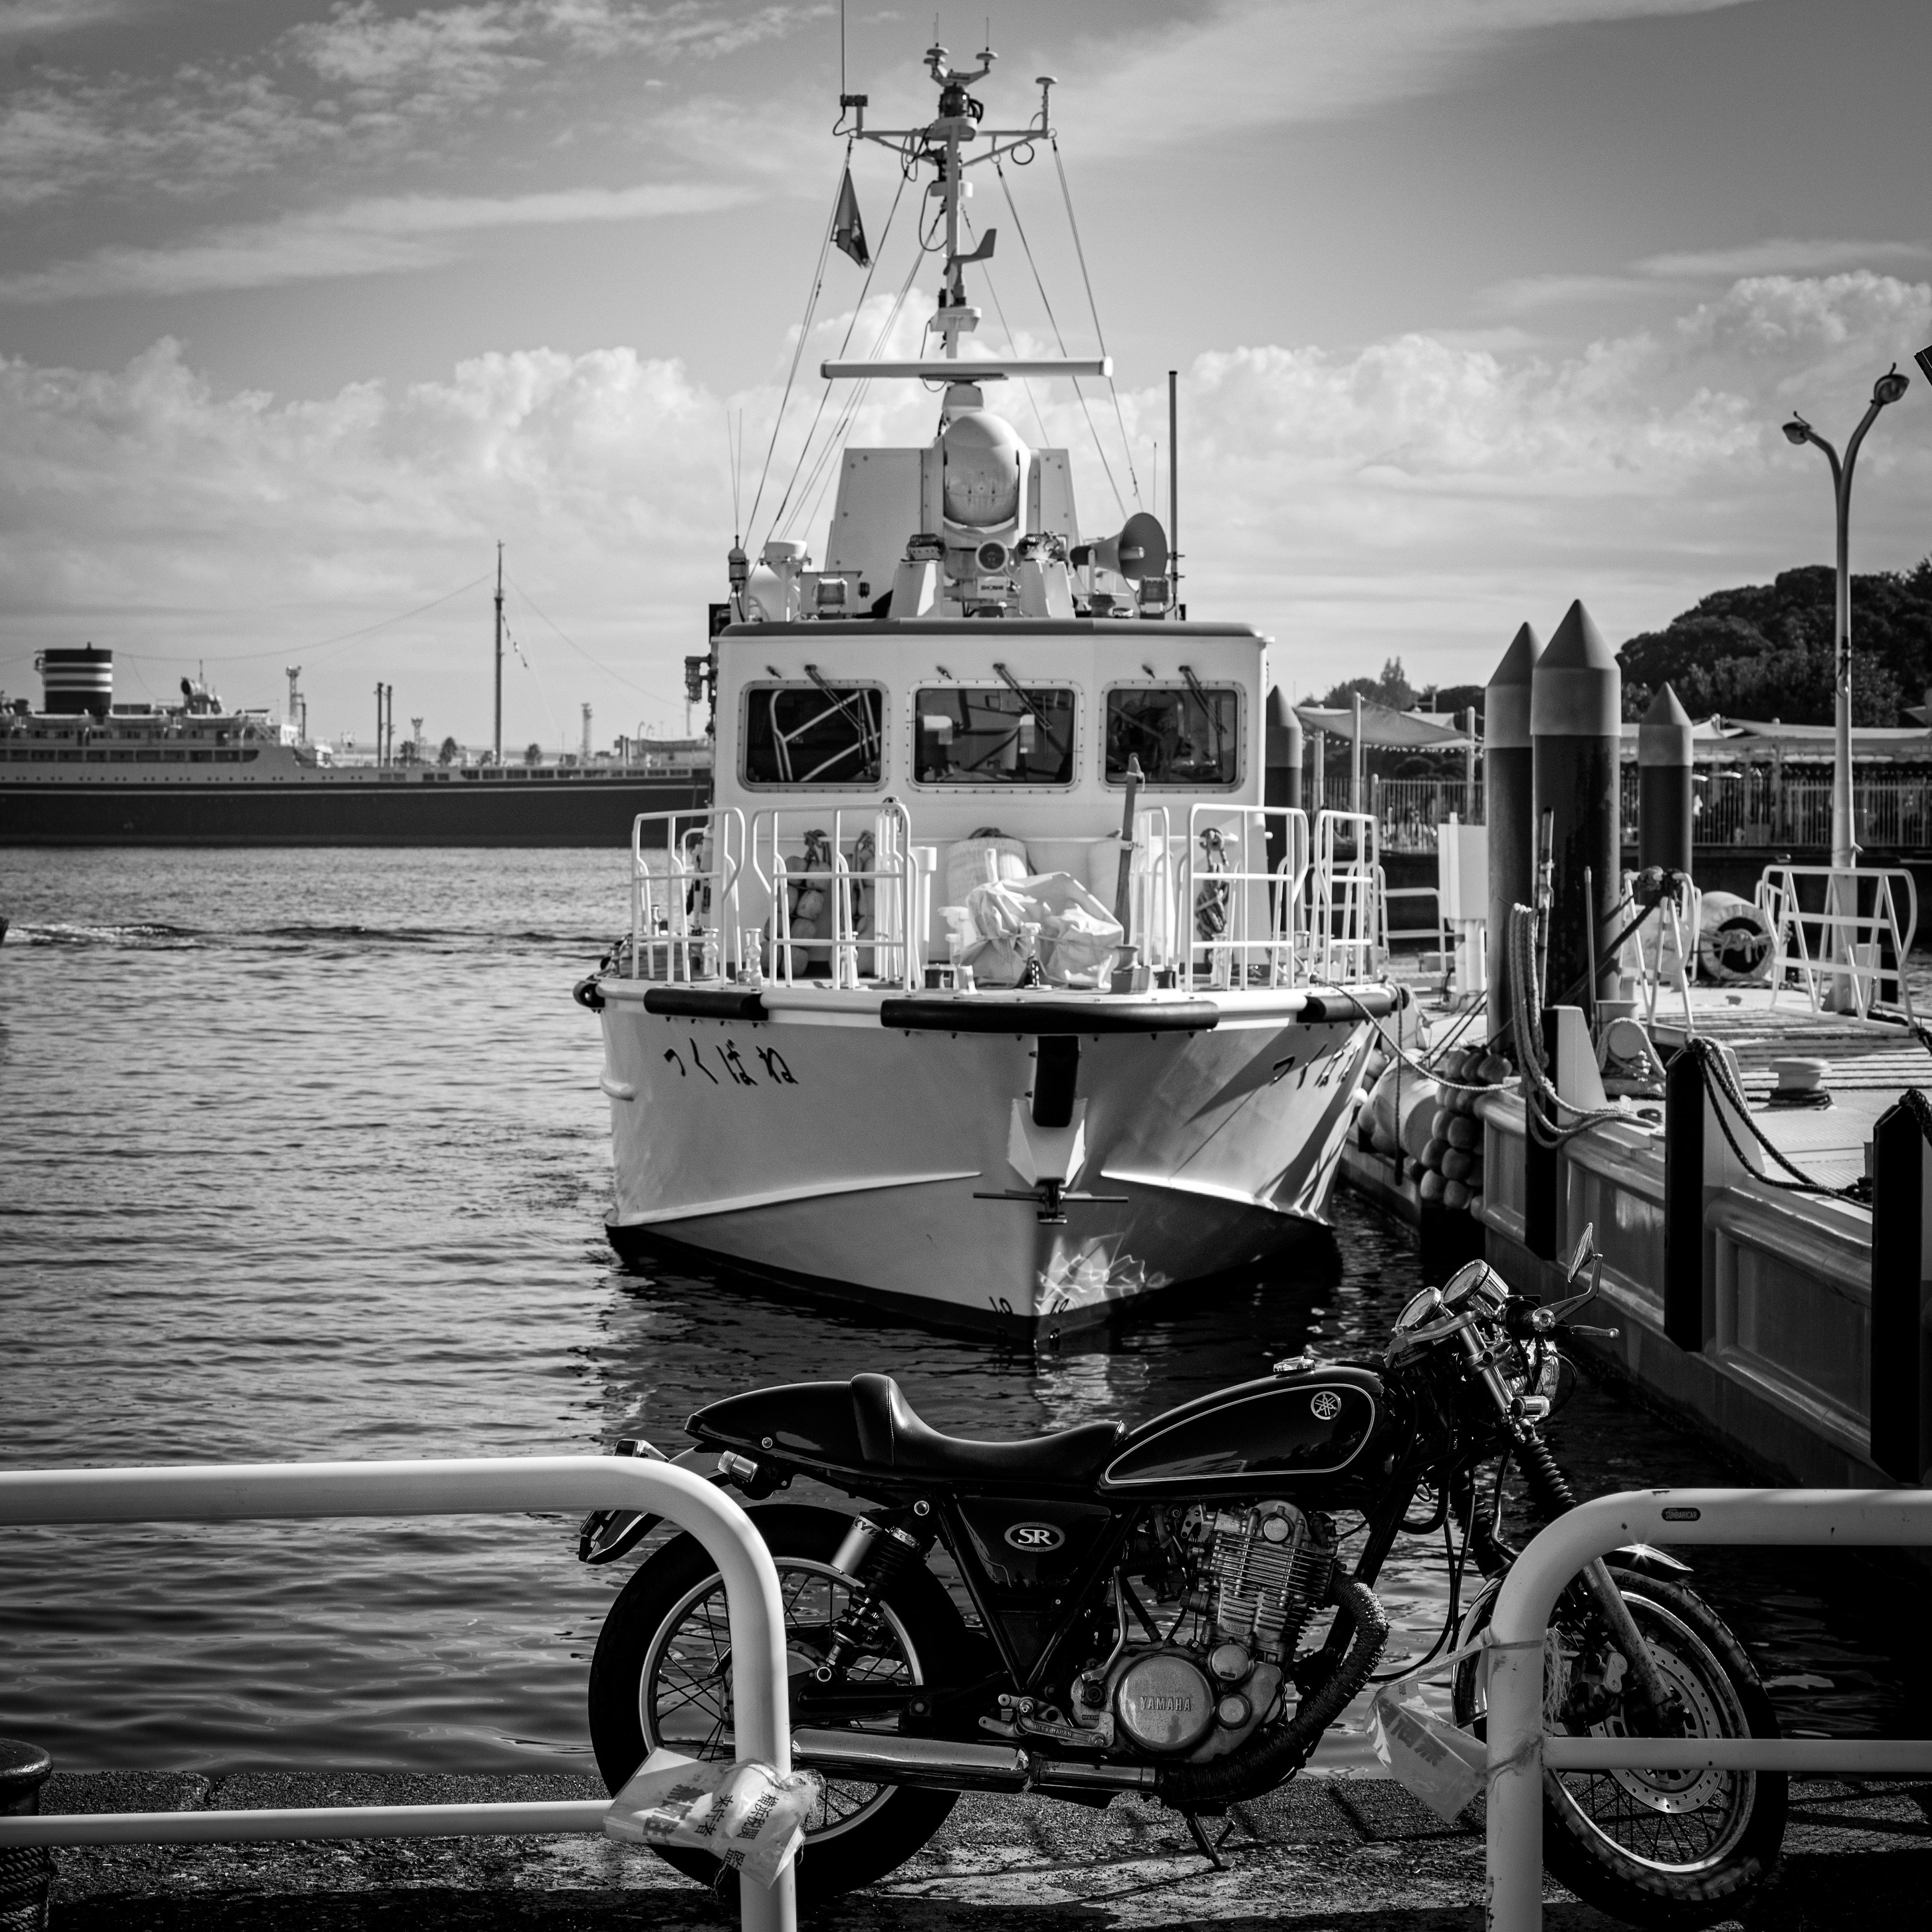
column 661, row 1676
column 1668, row 1848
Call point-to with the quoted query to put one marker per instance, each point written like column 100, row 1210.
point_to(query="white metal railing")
column 684, row 894
column 1347, row 920
column 1852, row 944
column 875, row 919
column 1519, row 1749
column 494, row 1485
column 1247, row 918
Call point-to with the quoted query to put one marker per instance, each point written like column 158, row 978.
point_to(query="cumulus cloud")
column 1417, row 497
column 1682, row 271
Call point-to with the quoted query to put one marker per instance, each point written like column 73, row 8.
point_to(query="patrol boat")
column 989, row 987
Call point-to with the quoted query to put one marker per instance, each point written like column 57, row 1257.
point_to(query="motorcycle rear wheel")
column 1675, row 1848
column 660, row 1675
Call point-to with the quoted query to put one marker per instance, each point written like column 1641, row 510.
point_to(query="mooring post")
column 1665, row 812
column 1684, row 1201
column 26, row 1871
column 1699, row 1164
column 1900, row 1399
column 1509, row 808
column 1575, row 709
column 1281, row 770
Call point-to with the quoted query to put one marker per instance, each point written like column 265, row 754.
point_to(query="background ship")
column 83, row 770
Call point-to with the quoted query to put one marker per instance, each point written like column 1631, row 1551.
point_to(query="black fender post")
column 1664, row 810
column 1509, row 807
column 1901, row 1396
column 1281, row 771
column 1576, row 708
column 1543, row 1176
column 1685, row 1110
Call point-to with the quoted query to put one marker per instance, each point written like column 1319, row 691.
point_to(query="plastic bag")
column 747, row 1815
column 1443, row 1766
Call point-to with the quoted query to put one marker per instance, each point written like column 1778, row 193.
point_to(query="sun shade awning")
column 1381, row 725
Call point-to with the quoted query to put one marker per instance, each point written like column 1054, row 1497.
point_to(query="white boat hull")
column 825, row 1148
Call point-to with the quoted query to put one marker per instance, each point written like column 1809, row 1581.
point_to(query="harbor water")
column 302, row 1156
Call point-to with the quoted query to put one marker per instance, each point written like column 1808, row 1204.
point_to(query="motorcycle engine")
column 1256, row 1575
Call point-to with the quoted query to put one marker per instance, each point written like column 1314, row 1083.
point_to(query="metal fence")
column 1519, row 1749
column 1734, row 805
column 489, row 1485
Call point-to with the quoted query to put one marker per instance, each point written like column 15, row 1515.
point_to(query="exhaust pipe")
column 887, row 1757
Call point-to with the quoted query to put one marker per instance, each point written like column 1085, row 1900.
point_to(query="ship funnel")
column 1140, row 550
column 77, row 681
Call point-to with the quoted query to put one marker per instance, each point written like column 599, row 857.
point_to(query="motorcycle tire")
column 860, row 1832
column 1603, row 1832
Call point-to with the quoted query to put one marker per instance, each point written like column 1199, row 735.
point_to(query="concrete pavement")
column 1324, row 1854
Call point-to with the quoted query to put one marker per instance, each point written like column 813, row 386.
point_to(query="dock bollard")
column 1281, row 770
column 1901, row 1395
column 1665, row 800
column 26, row 1870
column 1509, row 808
column 1575, row 724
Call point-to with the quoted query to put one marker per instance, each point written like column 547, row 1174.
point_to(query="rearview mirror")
column 1586, row 1253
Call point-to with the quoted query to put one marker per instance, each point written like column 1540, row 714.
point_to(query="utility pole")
column 498, row 742
column 1174, row 483
column 379, row 725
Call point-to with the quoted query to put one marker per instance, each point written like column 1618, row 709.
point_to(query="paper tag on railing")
column 747, row 1815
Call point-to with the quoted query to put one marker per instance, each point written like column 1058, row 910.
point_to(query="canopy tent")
column 1383, row 726
column 1724, row 741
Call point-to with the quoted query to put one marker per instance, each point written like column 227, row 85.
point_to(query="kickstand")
column 1211, row 1852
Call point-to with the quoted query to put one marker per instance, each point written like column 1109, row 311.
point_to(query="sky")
column 1477, row 306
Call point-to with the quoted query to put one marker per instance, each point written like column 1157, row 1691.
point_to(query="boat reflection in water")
column 989, row 986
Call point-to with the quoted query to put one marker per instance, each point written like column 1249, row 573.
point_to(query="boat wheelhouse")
column 990, row 985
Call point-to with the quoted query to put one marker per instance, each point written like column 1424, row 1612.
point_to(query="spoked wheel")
column 1676, row 1848
column 662, row 1676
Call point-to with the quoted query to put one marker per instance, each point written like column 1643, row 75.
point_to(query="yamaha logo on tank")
column 1327, row 1405
column 1035, row 1538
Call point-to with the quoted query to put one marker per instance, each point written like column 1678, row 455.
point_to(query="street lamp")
column 1841, row 902
column 1888, row 388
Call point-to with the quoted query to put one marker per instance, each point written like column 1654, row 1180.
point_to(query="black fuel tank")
column 809, row 1422
column 1320, row 1436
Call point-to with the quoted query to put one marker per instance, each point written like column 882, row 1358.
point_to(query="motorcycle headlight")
column 1536, row 1372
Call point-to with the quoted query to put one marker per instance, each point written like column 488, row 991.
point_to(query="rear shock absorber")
column 875, row 1551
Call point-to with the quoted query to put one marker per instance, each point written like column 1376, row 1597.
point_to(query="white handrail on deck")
column 1519, row 1749
column 1231, row 954
column 684, row 924
column 1842, row 929
column 1347, row 918
column 897, row 936
column 491, row 1485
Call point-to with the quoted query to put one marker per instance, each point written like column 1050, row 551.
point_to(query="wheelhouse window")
column 1187, row 734
column 996, row 735
column 817, row 734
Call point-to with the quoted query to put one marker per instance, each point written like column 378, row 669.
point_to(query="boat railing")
column 1348, row 939
column 873, row 921
column 684, row 894
column 1845, row 946
column 1244, row 913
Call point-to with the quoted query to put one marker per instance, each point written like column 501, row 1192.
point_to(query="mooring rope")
column 1722, row 1083
column 1526, row 1028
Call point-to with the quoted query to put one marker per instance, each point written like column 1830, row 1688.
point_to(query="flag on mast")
column 848, row 232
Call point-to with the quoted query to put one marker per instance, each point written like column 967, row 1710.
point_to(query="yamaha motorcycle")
column 1180, row 1610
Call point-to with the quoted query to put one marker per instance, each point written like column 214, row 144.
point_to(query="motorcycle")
column 1180, row 1610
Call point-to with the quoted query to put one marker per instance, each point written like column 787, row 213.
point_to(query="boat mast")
column 498, row 741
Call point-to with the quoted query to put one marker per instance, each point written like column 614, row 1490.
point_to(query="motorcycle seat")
column 891, row 1436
